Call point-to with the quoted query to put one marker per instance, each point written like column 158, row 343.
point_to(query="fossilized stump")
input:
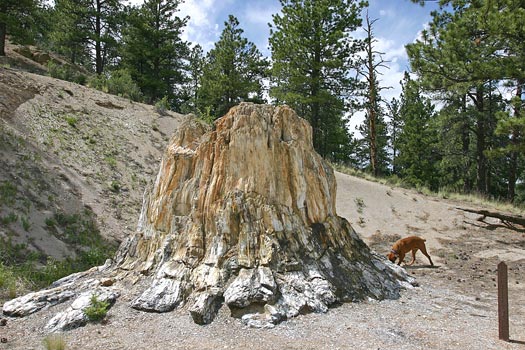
column 242, row 215
column 245, row 215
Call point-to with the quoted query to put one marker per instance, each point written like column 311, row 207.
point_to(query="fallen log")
column 515, row 219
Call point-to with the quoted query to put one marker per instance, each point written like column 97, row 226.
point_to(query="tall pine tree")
column 313, row 55
column 416, row 143
column 87, row 28
column 375, row 131
column 17, row 19
column 233, row 72
column 153, row 51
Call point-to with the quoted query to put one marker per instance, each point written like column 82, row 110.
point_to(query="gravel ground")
column 441, row 313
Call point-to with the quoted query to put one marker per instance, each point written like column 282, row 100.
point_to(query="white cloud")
column 202, row 28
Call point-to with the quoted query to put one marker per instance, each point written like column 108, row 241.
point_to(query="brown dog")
column 403, row 246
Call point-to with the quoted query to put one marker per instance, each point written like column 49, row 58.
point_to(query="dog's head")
column 392, row 256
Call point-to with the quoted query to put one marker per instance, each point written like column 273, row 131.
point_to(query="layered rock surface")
column 244, row 215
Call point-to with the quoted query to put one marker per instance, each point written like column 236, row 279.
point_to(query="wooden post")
column 503, row 302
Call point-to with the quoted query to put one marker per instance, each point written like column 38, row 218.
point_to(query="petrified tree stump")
column 244, row 215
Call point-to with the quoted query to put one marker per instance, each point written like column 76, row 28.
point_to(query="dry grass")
column 54, row 342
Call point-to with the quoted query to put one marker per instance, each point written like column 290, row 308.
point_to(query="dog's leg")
column 401, row 257
column 413, row 256
column 424, row 251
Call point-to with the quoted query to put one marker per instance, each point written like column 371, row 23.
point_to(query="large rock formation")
column 244, row 215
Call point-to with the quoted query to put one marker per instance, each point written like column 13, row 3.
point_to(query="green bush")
column 98, row 309
column 9, row 219
column 71, row 120
column 65, row 72
column 162, row 106
column 24, row 269
column 118, row 83
column 8, row 282
column 99, row 82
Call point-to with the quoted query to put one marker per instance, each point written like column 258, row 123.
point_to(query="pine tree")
column 417, row 141
column 376, row 128
column 69, row 34
column 468, row 52
column 153, row 51
column 194, row 76
column 313, row 56
column 87, row 28
column 394, row 129
column 17, row 19
column 233, row 72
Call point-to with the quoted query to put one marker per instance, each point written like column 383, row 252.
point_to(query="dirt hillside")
column 69, row 149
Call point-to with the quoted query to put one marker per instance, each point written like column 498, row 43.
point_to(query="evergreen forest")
column 458, row 125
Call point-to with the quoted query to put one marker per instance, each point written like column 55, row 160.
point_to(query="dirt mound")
column 69, row 150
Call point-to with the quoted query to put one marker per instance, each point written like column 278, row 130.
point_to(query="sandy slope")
column 387, row 211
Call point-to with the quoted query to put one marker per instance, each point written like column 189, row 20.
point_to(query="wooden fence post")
column 503, row 302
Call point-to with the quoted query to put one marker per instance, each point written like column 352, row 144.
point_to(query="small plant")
column 112, row 162
column 162, row 106
column 54, row 342
column 206, row 115
column 72, row 121
column 9, row 219
column 98, row 309
column 25, row 223
column 115, row 186
column 7, row 193
column 7, row 282
column 360, row 204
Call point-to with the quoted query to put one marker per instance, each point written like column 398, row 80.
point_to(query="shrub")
column 26, row 224
column 8, row 282
column 120, row 83
column 98, row 309
column 99, row 82
column 9, row 218
column 71, row 120
column 162, row 106
column 65, row 72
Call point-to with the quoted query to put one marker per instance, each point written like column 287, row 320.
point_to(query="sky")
column 399, row 22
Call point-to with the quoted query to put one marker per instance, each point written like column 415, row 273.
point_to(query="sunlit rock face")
column 243, row 214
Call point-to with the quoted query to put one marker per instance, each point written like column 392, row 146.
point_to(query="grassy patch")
column 8, row 193
column 54, row 342
column 71, row 120
column 9, row 219
column 22, row 269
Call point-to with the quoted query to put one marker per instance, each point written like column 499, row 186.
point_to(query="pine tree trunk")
column 513, row 163
column 465, row 143
column 3, row 34
column 481, row 176
column 99, row 67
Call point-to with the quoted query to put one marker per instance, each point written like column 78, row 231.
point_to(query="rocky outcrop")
column 243, row 215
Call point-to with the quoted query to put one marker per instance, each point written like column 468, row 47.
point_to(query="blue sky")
column 398, row 22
